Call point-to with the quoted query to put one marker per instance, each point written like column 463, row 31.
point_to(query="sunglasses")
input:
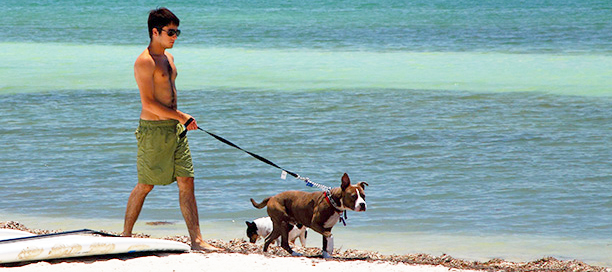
column 172, row 32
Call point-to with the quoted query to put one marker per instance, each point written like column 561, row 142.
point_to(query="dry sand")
column 223, row 262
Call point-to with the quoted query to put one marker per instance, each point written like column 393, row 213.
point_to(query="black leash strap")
column 83, row 231
column 235, row 146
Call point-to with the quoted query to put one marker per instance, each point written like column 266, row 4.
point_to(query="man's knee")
column 185, row 183
column 143, row 188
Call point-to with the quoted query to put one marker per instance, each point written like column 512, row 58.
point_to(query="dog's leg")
column 328, row 245
column 328, row 240
column 303, row 237
column 271, row 237
column 292, row 236
column 285, row 239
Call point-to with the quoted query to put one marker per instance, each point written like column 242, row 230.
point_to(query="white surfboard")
column 20, row 246
column 12, row 234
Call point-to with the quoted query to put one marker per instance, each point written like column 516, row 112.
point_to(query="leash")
column 284, row 172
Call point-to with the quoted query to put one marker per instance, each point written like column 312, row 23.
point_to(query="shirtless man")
column 163, row 156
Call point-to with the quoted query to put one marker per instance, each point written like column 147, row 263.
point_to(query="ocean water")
column 483, row 127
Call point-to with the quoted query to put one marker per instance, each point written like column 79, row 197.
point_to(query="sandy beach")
column 222, row 262
column 240, row 255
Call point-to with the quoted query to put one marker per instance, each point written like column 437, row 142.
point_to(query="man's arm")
column 143, row 72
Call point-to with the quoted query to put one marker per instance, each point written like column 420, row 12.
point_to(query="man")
column 163, row 156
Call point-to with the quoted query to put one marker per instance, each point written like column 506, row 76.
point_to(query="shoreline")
column 236, row 250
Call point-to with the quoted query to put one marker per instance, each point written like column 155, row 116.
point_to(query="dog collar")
column 339, row 209
column 332, row 202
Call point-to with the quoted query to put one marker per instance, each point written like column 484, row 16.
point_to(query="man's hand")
column 190, row 124
column 193, row 125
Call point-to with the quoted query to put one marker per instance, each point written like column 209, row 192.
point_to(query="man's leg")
column 189, row 209
column 134, row 206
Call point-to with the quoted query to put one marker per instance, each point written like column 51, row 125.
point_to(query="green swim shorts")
column 162, row 155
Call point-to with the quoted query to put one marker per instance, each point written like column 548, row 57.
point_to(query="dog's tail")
column 260, row 205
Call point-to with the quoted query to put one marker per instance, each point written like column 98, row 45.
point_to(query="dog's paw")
column 297, row 254
column 326, row 255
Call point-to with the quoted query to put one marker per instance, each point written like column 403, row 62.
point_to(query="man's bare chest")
column 164, row 70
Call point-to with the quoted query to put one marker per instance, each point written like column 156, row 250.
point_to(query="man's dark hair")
column 158, row 18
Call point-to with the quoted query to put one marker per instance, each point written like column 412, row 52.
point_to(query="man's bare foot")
column 204, row 246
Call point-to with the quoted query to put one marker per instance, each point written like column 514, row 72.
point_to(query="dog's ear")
column 249, row 223
column 346, row 182
column 363, row 184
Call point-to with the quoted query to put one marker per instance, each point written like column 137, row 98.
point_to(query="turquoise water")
column 31, row 68
column 482, row 127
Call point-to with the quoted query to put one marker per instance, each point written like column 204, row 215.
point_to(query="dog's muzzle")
column 360, row 206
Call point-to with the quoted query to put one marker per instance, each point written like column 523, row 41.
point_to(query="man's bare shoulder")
column 144, row 61
column 169, row 56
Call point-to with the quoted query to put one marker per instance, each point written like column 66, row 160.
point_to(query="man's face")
column 168, row 35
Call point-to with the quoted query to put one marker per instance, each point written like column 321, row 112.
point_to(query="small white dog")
column 261, row 227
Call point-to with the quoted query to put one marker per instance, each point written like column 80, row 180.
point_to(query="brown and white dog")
column 318, row 211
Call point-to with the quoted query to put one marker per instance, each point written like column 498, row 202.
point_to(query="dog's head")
column 353, row 196
column 252, row 231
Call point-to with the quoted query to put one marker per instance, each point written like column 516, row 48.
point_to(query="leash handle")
column 185, row 131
